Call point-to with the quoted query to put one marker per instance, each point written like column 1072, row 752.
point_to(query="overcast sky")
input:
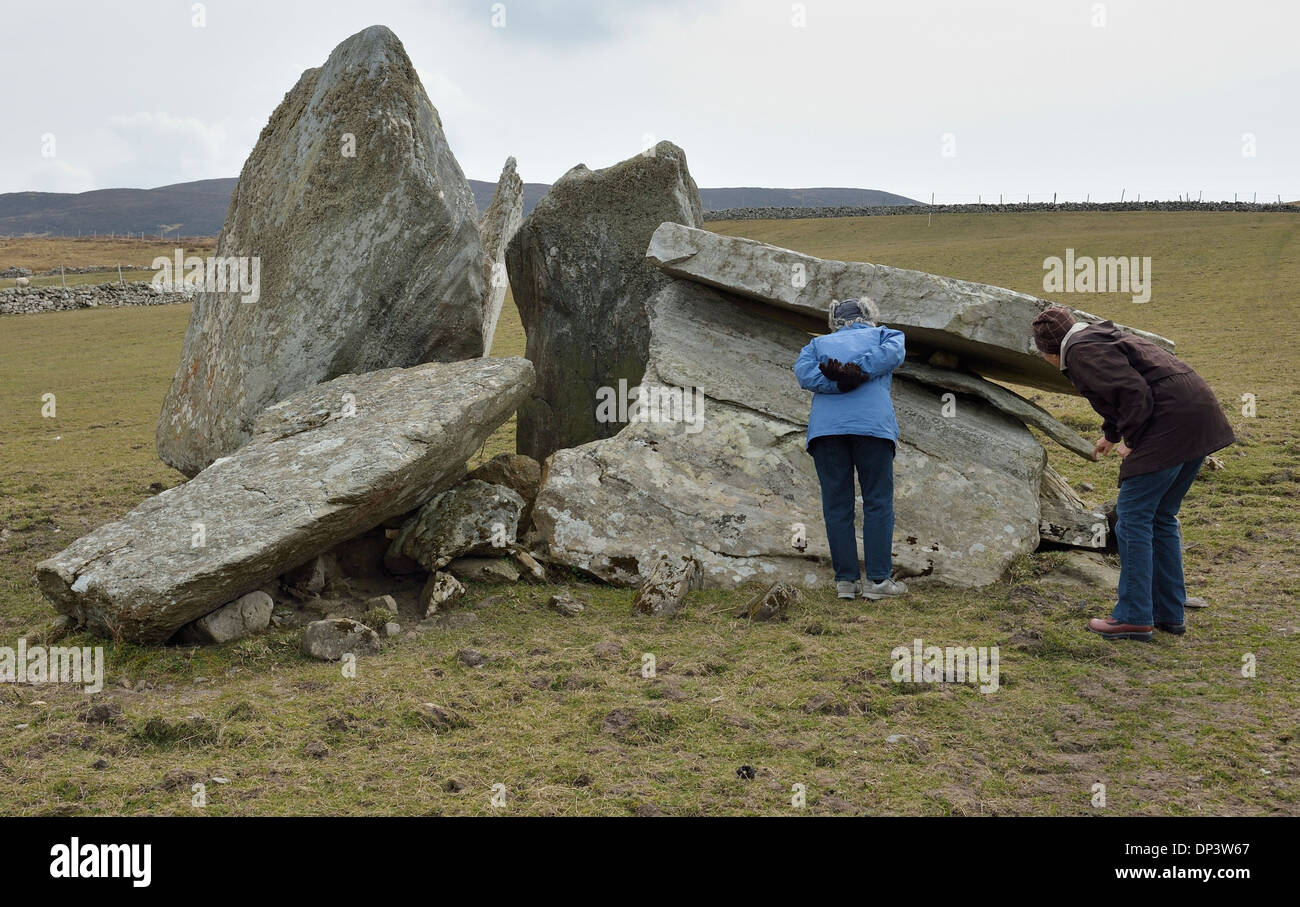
column 913, row 96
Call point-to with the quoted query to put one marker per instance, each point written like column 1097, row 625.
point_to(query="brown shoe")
column 1113, row 629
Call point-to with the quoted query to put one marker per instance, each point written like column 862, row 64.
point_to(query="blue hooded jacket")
column 867, row 409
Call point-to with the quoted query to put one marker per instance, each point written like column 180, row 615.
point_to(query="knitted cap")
column 1050, row 328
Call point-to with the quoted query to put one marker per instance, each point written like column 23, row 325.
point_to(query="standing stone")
column 580, row 279
column 366, row 261
column 497, row 227
column 312, row 475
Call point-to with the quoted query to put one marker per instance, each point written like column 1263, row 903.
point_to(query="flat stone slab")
column 988, row 328
column 325, row 465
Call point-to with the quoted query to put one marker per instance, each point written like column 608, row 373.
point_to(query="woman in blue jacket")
column 852, row 428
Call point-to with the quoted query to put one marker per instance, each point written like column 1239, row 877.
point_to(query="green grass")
column 561, row 716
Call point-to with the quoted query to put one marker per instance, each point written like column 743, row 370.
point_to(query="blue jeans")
column 1151, row 585
column 837, row 457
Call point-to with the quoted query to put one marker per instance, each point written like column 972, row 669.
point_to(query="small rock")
column 471, row 658
column 665, row 585
column 392, row 628
column 332, row 638
column 440, row 592
column 1196, row 602
column 470, row 518
column 773, row 603
column 438, row 718
column 316, row 750
column 563, row 604
column 528, row 563
column 608, row 650
column 484, row 570
column 245, row 616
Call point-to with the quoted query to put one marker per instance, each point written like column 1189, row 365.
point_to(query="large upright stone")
column 325, row 465
column 499, row 224
column 580, row 279
column 368, row 241
column 988, row 328
column 735, row 488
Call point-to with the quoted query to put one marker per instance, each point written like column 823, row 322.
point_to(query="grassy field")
column 134, row 255
column 560, row 714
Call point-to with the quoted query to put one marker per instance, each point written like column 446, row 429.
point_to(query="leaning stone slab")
column 497, row 227
column 987, row 327
column 739, row 493
column 1009, row 402
column 366, row 260
column 579, row 276
column 325, row 465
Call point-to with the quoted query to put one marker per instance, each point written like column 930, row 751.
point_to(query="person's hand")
column 1123, row 450
column 846, row 377
column 1101, row 448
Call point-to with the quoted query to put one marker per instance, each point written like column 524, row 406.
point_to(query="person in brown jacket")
column 1163, row 421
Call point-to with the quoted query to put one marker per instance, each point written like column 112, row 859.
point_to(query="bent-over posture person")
column 1163, row 420
column 852, row 428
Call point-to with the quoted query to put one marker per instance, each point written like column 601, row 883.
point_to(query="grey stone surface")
column 1084, row 569
column 474, row 517
column 734, row 494
column 497, row 227
column 245, row 616
column 988, row 328
column 579, row 277
column 366, row 262
column 310, row 477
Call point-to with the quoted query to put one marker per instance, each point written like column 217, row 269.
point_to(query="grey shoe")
column 887, row 588
column 846, row 590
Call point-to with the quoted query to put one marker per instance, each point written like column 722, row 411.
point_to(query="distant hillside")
column 747, row 197
column 200, row 207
